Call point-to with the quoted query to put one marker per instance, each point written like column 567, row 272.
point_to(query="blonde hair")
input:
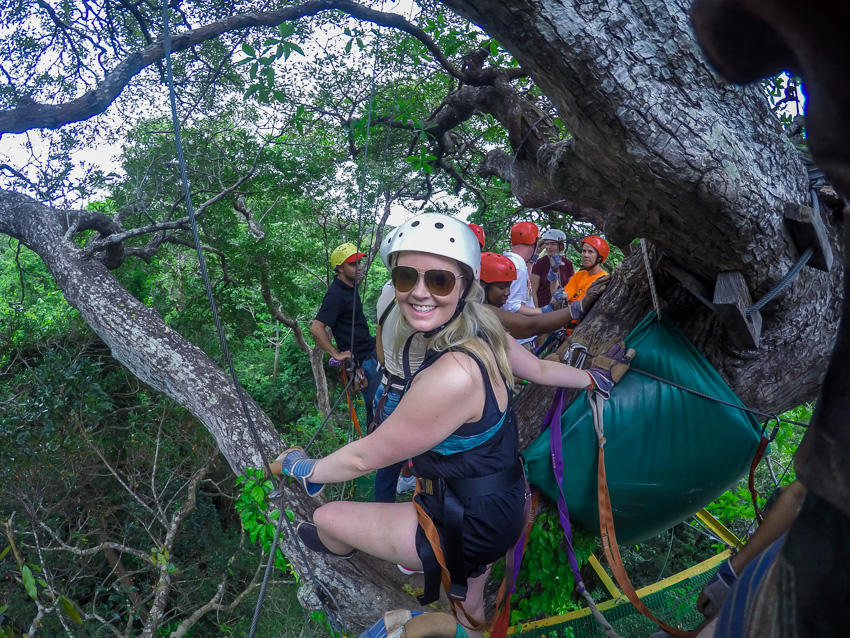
column 476, row 329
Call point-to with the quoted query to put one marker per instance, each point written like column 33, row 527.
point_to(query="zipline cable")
column 758, row 413
column 222, row 339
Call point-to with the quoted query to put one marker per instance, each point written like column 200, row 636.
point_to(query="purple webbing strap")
column 553, row 422
column 520, row 544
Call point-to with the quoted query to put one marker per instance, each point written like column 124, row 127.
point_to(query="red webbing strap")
column 351, row 409
column 751, row 480
column 612, row 552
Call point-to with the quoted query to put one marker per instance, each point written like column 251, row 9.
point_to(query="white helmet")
column 553, row 234
column 385, row 248
column 437, row 234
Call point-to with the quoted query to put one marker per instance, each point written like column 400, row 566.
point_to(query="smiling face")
column 424, row 310
column 551, row 246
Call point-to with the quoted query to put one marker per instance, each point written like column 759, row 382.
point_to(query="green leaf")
column 286, row 29
column 29, row 582
column 295, row 47
column 290, row 514
column 5, row 551
column 348, row 46
column 68, row 608
column 251, row 91
column 41, row 582
column 249, row 50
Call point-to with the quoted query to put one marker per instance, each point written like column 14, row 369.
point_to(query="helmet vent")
column 452, row 239
column 437, row 225
column 415, row 224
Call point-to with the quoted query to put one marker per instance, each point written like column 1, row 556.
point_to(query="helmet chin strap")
column 461, row 304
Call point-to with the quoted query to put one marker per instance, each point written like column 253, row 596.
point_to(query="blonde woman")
column 455, row 421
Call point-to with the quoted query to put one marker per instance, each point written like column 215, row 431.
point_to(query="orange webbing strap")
column 612, row 551
column 502, row 618
column 351, row 409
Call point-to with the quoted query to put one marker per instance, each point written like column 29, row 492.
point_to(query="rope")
column 652, row 291
column 815, row 178
column 758, row 413
column 783, row 283
column 222, row 338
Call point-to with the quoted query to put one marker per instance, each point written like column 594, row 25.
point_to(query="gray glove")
column 610, row 366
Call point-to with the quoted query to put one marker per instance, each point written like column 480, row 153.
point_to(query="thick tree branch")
column 52, row 116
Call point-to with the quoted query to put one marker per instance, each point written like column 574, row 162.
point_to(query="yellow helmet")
column 345, row 253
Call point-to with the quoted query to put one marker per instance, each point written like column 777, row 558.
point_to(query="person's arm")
column 320, row 334
column 416, row 425
column 526, row 366
column 521, row 326
column 379, row 346
column 528, row 311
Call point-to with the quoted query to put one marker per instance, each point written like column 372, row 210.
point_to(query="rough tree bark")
column 675, row 155
column 139, row 338
column 659, row 143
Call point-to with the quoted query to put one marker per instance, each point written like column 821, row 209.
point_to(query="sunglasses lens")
column 404, row 278
column 440, row 282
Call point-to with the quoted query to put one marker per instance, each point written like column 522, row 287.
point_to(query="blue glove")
column 609, row 367
column 534, row 258
column 555, row 262
column 552, row 275
column 298, row 466
column 580, row 307
column 547, row 308
column 715, row 591
column 559, row 295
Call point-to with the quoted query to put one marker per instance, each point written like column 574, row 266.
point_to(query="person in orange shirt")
column 594, row 251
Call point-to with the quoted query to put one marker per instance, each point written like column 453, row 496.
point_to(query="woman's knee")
column 327, row 516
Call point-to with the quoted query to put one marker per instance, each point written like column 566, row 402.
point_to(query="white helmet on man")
column 437, row 234
column 386, row 242
column 553, row 234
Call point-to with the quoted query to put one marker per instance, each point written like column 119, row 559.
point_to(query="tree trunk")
column 139, row 338
column 698, row 167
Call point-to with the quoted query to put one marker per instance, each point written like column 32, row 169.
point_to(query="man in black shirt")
column 341, row 308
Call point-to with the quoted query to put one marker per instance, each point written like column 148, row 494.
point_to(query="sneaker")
column 408, row 571
column 405, row 484
column 309, row 535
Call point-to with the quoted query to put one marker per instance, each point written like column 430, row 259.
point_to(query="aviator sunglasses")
column 438, row 282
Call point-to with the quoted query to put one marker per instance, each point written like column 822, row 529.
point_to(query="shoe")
column 405, row 484
column 408, row 571
column 309, row 535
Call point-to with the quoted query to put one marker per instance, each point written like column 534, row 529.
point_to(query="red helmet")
column 598, row 244
column 524, row 233
column 496, row 267
column 479, row 232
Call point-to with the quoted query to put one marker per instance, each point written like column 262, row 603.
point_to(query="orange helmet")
column 598, row 244
column 479, row 232
column 524, row 233
column 496, row 267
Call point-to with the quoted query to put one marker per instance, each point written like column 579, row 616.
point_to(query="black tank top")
column 478, row 448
